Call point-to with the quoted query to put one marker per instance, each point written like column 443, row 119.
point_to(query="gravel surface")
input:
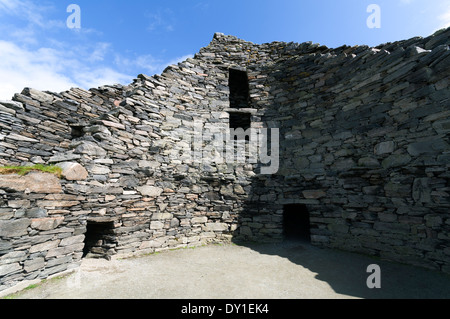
column 265, row 271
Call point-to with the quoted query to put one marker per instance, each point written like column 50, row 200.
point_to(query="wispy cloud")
column 160, row 20
column 40, row 52
column 22, row 68
column 179, row 59
column 49, row 69
column 444, row 18
column 44, row 54
column 147, row 63
column 29, row 11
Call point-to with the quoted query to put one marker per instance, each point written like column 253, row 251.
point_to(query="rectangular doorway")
column 99, row 240
column 296, row 223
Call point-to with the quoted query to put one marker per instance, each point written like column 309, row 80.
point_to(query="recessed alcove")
column 296, row 223
column 98, row 239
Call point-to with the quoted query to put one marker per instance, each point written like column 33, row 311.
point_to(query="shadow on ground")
column 346, row 272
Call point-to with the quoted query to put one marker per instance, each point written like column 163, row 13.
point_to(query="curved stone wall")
column 363, row 144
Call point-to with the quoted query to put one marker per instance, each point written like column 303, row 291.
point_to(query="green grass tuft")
column 23, row 170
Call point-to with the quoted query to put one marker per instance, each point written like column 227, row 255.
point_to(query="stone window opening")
column 76, row 131
column 239, row 89
column 296, row 223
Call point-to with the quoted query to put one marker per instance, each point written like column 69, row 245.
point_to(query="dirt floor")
column 291, row 270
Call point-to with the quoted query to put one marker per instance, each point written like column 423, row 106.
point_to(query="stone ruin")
column 357, row 139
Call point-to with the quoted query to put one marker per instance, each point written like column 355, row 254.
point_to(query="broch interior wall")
column 363, row 147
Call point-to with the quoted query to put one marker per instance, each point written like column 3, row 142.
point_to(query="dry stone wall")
column 364, row 145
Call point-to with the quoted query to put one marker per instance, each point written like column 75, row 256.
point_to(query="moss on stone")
column 24, row 170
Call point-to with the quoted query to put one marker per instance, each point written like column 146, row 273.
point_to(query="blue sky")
column 120, row 39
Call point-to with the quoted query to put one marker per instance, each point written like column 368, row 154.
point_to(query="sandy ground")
column 268, row 271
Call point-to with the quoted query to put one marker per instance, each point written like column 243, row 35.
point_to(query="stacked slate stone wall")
column 363, row 144
column 365, row 147
column 42, row 227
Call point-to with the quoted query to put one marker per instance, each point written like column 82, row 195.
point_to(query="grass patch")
column 34, row 286
column 24, row 170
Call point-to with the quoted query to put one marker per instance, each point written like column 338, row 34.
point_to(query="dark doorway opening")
column 239, row 89
column 296, row 223
column 99, row 240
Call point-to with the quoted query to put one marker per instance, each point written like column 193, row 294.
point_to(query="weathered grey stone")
column 396, row 160
column 162, row 216
column 368, row 162
column 421, row 191
column 44, row 246
column 46, row 223
column 344, row 165
column 36, row 212
column 395, row 228
column 7, row 110
column 199, row 220
column 38, row 95
column 64, row 157
column 397, row 190
column 314, row 194
column 34, row 264
column 384, row 148
column 99, row 169
column 442, row 127
column 156, row 225
column 150, row 191
column 34, row 182
column 12, row 105
column 21, row 138
column 430, row 146
column 338, row 228
column 10, row 269
column 90, row 148
column 216, row 227
column 62, row 251
column 73, row 171
column 21, row 204
column 14, row 256
column 433, row 220
column 227, row 190
column 14, row 228
column 69, row 241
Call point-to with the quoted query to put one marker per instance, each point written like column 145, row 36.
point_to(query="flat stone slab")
column 34, row 182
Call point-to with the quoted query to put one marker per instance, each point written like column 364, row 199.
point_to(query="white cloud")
column 57, row 69
column 32, row 56
column 444, row 18
column 161, row 20
column 147, row 64
column 95, row 77
column 180, row 59
column 50, row 69
column 100, row 51
column 29, row 11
